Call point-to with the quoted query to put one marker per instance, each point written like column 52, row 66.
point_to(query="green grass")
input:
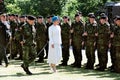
column 42, row 72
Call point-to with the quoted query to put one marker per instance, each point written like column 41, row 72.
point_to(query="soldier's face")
column 12, row 17
column 77, row 18
column 40, row 20
column 31, row 22
column 65, row 20
column 117, row 22
column 3, row 18
column 91, row 20
column 102, row 21
column 22, row 19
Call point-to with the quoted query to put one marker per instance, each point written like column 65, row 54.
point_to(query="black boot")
column 26, row 69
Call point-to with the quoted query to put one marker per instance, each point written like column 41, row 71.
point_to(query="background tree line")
column 49, row 7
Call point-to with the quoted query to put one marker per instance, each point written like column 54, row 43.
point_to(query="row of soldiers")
column 94, row 35
column 29, row 36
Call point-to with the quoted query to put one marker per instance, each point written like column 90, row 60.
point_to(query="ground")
column 42, row 72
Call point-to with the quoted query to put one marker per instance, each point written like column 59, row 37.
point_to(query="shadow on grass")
column 66, row 70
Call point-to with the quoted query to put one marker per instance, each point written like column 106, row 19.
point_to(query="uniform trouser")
column 19, row 49
column 112, row 54
column 77, row 54
column 102, row 56
column 40, row 45
column 29, row 54
column 90, row 53
column 13, row 48
column 65, row 53
column 3, row 54
column 46, row 48
column 117, row 59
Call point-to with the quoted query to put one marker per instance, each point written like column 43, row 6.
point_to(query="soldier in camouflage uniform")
column 28, row 42
column 13, row 27
column 90, row 32
column 77, row 28
column 115, row 55
column 18, row 37
column 40, row 38
column 65, row 32
column 102, row 42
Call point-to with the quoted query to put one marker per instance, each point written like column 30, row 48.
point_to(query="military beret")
column 91, row 15
column 39, row 17
column 103, row 17
column 76, row 15
column 79, row 12
column 16, row 15
column 31, row 17
column 64, row 17
column 102, row 14
column 55, row 18
column 12, row 15
column 22, row 16
column 117, row 18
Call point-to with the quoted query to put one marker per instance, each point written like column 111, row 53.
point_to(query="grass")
column 42, row 72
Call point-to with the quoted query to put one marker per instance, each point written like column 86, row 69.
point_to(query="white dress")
column 54, row 54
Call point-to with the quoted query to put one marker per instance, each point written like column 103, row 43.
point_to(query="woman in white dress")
column 55, row 51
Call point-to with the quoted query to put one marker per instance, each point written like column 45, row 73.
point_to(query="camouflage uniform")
column 91, row 29
column 13, row 26
column 40, row 39
column 18, row 37
column 77, row 38
column 29, row 50
column 102, row 45
column 65, row 32
column 116, row 47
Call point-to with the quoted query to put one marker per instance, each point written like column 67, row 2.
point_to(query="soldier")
column 28, row 42
column 13, row 27
column 40, row 38
column 77, row 28
column 65, row 31
column 90, row 32
column 102, row 42
column 18, row 36
column 3, row 42
column 48, row 24
column 115, row 49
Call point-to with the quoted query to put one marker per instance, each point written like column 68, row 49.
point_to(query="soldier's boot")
column 63, row 64
column 26, row 69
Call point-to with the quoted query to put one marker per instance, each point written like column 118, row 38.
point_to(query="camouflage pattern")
column 13, row 48
column 91, row 29
column 65, row 32
column 102, row 44
column 29, row 49
column 41, row 38
column 77, row 38
column 116, row 47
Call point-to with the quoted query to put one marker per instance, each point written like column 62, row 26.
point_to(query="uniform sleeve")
column 50, row 31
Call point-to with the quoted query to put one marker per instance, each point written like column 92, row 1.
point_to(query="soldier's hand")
column 85, row 34
column 83, row 43
column 109, row 45
column 52, row 45
column 94, row 43
column 96, row 34
column 71, row 31
column 112, row 35
column 22, row 43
